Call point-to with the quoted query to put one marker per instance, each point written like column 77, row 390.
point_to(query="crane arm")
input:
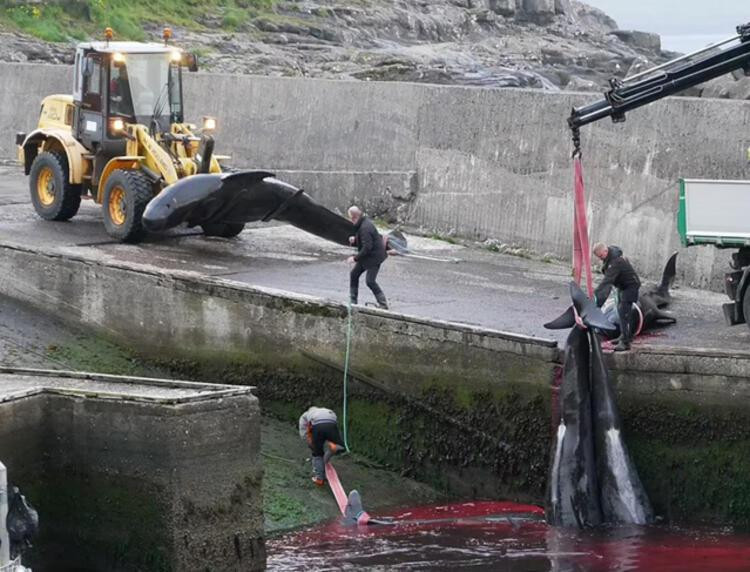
column 665, row 80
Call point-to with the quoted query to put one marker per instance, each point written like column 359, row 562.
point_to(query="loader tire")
column 223, row 229
column 52, row 194
column 126, row 194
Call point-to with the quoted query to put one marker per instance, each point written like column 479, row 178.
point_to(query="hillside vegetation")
column 62, row 20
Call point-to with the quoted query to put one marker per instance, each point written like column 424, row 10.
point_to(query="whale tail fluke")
column 563, row 322
column 667, row 277
column 590, row 314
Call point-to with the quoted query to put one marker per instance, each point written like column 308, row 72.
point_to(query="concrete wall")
column 136, row 484
column 465, row 409
column 478, row 162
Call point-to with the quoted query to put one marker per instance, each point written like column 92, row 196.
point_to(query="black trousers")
column 370, row 280
column 323, row 432
column 625, row 311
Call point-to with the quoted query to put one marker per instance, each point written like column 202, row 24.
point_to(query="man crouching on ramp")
column 319, row 427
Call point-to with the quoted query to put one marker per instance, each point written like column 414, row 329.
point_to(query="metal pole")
column 4, row 540
column 681, row 59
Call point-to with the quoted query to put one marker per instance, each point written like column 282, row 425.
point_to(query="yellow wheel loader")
column 120, row 138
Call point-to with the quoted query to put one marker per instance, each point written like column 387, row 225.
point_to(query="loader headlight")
column 118, row 58
column 175, row 56
column 209, row 124
column 117, row 125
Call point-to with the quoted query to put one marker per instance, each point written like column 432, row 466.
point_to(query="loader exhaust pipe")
column 205, row 152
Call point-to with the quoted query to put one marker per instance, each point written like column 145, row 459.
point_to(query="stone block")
column 503, row 7
column 638, row 39
column 540, row 11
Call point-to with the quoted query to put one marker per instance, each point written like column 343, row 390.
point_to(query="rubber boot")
column 382, row 303
column 622, row 346
column 353, row 295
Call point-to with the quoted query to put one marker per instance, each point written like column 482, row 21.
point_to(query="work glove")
column 331, row 449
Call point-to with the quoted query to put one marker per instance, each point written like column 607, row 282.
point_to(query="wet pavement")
column 469, row 285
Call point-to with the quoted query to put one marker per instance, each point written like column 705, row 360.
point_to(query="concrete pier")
column 135, row 473
column 478, row 162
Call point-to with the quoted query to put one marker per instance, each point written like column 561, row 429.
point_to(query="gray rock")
column 486, row 17
column 541, row 11
column 727, row 88
column 556, row 56
column 644, row 40
column 503, row 7
column 562, row 7
column 580, row 84
column 639, row 65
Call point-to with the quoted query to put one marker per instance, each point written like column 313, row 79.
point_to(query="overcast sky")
column 686, row 24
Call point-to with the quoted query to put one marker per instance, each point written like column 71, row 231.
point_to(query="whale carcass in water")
column 212, row 200
column 650, row 307
column 592, row 479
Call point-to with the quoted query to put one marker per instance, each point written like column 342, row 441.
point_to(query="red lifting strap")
column 581, row 247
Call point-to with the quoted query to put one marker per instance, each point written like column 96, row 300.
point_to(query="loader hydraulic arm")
column 665, row 80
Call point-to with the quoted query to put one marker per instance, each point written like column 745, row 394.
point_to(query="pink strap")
column 341, row 498
column 581, row 247
column 336, row 488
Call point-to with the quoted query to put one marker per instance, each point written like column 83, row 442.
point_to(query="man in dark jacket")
column 371, row 254
column 619, row 273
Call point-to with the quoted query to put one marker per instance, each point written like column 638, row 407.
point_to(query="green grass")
column 80, row 19
column 444, row 238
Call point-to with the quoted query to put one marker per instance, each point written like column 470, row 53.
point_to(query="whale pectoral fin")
column 397, row 241
column 563, row 322
column 591, row 315
column 663, row 316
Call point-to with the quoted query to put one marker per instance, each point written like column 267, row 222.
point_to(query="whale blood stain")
column 505, row 536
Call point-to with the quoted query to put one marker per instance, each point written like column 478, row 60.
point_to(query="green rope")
column 346, row 371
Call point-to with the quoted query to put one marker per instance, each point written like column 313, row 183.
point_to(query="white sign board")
column 717, row 208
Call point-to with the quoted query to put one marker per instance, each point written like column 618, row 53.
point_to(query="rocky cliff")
column 549, row 44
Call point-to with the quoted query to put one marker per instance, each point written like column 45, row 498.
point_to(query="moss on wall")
column 91, row 506
column 694, row 460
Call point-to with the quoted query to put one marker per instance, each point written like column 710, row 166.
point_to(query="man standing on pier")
column 371, row 254
column 618, row 272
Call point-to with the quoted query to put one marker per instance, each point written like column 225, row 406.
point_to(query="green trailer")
column 715, row 213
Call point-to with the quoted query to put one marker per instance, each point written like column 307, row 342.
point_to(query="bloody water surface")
column 506, row 537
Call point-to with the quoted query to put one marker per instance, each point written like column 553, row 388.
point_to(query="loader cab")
column 118, row 83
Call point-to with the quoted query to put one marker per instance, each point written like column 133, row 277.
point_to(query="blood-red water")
column 505, row 537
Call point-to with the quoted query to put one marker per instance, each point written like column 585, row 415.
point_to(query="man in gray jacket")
column 319, row 428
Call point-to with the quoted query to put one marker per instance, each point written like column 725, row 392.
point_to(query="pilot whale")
column 650, row 308
column 592, row 479
column 242, row 197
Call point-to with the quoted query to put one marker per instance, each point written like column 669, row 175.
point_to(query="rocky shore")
column 545, row 44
